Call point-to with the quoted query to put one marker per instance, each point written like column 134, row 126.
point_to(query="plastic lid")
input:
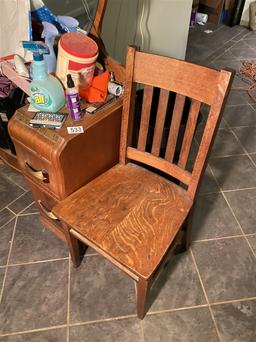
column 79, row 45
column 70, row 82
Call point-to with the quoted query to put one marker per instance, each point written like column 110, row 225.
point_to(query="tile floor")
column 207, row 294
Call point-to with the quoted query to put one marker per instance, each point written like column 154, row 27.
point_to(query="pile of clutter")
column 64, row 67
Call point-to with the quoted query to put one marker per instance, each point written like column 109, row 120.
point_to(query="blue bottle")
column 47, row 93
column 49, row 34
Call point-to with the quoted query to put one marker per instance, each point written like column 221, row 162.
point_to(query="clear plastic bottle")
column 73, row 99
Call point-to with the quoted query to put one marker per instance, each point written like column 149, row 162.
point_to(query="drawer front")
column 45, row 202
column 36, row 168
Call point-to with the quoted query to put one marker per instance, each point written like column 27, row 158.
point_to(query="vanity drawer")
column 36, row 168
column 45, row 202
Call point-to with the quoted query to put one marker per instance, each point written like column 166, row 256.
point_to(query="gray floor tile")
column 213, row 218
column 247, row 136
column 5, row 241
column 243, row 205
column 236, row 97
column 30, row 210
column 21, row 203
column 35, row 296
column 53, row 335
column 240, row 115
column 187, row 325
column 227, row 268
column 13, row 176
column 167, row 292
column 253, row 156
column 252, row 242
column 2, row 272
column 236, row 321
column 8, row 192
column 99, row 290
column 32, row 242
column 208, row 183
column 243, row 52
column 5, row 216
column 226, row 144
column 232, row 173
column 125, row 330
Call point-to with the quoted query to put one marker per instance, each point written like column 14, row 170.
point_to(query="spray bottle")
column 73, row 99
column 46, row 90
column 49, row 33
column 42, row 13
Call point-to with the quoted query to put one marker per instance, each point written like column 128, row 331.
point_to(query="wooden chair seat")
column 128, row 213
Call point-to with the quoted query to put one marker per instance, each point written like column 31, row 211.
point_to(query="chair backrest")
column 190, row 82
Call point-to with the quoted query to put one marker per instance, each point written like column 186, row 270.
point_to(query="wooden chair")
column 131, row 215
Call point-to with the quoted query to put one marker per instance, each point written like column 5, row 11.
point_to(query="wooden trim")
column 97, row 23
column 200, row 85
column 127, row 105
column 159, row 163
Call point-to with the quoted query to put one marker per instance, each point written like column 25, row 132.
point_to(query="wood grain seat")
column 130, row 214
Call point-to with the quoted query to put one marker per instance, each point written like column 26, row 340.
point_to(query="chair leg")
column 73, row 246
column 142, row 295
column 186, row 240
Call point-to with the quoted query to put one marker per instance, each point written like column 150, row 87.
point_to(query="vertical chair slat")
column 145, row 116
column 128, row 105
column 189, row 132
column 174, row 129
column 160, row 118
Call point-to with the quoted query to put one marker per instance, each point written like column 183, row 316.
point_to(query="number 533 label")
column 75, row 130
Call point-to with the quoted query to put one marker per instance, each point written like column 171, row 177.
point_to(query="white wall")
column 245, row 15
column 65, row 7
column 164, row 25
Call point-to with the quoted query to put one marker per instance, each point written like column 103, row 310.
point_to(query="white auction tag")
column 75, row 130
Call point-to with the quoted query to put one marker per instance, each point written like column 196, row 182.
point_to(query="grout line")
column 103, row 320
column 130, row 316
column 12, row 211
column 20, row 212
column 240, row 104
column 37, row 262
column 68, row 297
column 219, row 238
column 29, row 214
column 7, row 206
column 34, row 330
column 234, row 301
column 5, row 224
column 242, row 189
column 8, row 259
column 151, row 313
column 205, row 294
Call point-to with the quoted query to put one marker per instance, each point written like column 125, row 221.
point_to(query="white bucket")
column 77, row 55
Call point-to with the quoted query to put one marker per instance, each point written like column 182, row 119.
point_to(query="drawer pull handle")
column 47, row 212
column 41, row 175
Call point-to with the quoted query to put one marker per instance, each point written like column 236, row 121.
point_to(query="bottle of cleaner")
column 47, row 93
column 73, row 99
column 49, row 34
